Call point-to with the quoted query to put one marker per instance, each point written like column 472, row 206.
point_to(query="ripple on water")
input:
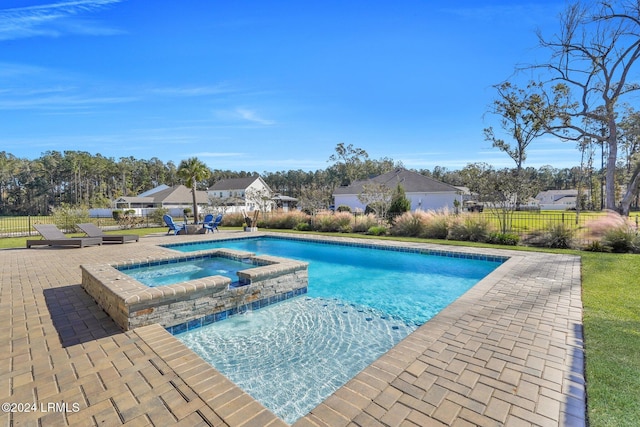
column 293, row 355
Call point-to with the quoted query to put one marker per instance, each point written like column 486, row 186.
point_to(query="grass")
column 21, row 242
column 611, row 299
column 611, row 316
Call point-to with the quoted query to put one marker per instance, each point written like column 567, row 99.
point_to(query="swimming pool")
column 361, row 301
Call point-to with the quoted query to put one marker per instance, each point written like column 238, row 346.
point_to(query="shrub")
column 343, row 208
column 233, row 220
column 558, row 236
column 436, row 225
column 596, row 246
column 377, row 230
column 66, row 217
column 477, row 229
column 622, row 239
column 339, row 221
column 362, row 223
column 469, row 229
column 156, row 215
column 509, row 239
column 303, row 226
column 409, row 224
column 285, row 220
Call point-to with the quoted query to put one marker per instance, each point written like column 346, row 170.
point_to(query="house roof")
column 134, row 199
column 179, row 194
column 236, row 183
column 153, row 190
column 411, row 182
column 556, row 195
column 281, row 198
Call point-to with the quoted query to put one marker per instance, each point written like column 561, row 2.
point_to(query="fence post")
column 29, row 223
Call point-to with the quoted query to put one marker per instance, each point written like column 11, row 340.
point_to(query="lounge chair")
column 176, row 228
column 52, row 236
column 212, row 225
column 92, row 230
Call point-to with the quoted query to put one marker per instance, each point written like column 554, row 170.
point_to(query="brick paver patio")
column 508, row 352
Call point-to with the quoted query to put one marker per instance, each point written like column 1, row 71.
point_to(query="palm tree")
column 193, row 171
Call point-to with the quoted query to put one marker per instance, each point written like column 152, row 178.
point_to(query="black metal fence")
column 521, row 223
column 17, row 226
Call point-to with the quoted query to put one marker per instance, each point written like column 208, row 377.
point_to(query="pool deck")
column 508, row 352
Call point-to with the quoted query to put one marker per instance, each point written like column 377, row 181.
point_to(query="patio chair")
column 52, row 236
column 207, row 218
column 212, row 225
column 92, row 230
column 176, row 228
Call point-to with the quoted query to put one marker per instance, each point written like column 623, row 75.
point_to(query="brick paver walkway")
column 508, row 352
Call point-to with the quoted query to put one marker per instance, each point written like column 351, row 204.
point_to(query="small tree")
column 260, row 197
column 312, row 199
column 399, row 203
column 499, row 191
column 376, row 197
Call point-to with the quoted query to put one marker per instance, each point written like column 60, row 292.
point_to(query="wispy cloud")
column 252, row 116
column 59, row 102
column 243, row 114
column 193, row 91
column 52, row 20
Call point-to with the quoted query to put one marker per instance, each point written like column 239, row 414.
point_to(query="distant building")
column 176, row 199
column 557, row 199
column 423, row 192
column 241, row 194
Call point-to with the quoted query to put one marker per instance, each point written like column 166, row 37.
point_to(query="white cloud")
column 242, row 114
column 252, row 116
column 194, row 91
column 51, row 20
column 56, row 102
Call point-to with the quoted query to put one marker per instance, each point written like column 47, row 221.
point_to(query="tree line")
column 35, row 186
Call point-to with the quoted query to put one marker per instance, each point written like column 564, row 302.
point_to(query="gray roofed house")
column 177, row 196
column 241, row 194
column 557, row 199
column 424, row 193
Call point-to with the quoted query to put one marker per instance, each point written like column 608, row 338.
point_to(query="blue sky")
column 266, row 85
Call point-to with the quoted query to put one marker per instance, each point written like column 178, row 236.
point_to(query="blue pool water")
column 361, row 302
column 168, row 273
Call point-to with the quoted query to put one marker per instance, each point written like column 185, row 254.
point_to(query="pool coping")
column 508, row 352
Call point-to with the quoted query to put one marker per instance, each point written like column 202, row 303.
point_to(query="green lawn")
column 611, row 299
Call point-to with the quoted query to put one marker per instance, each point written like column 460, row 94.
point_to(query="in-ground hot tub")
column 197, row 301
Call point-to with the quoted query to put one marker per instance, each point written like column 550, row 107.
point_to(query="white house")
column 241, row 194
column 557, row 199
column 423, row 192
